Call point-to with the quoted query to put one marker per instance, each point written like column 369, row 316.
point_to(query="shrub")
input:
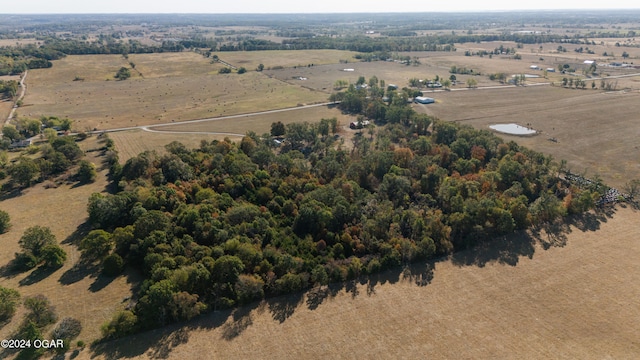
column 67, row 329
column 112, row 265
column 53, row 256
column 123, row 323
column 5, row 221
column 8, row 302
column 42, row 312
column 86, row 172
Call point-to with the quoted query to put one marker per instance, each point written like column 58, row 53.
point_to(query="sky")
column 300, row 6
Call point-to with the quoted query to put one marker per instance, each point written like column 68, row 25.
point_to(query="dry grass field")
column 179, row 86
column 569, row 295
column 131, row 143
column 75, row 291
column 251, row 59
column 596, row 132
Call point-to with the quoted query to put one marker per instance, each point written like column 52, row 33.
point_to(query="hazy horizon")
column 42, row 7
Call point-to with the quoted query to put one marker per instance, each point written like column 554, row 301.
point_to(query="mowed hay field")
column 579, row 299
column 132, row 142
column 285, row 58
column 172, row 87
column 77, row 292
column 596, row 132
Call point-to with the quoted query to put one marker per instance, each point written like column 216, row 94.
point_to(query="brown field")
column 513, row 300
column 578, row 299
column 251, row 59
column 133, row 142
column 130, row 143
column 176, row 87
column 596, row 132
column 75, row 292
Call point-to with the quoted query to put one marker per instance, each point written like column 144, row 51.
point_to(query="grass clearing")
column 285, row 58
column 186, row 90
column 133, row 142
column 576, row 300
column 77, row 293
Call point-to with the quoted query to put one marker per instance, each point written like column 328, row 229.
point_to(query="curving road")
column 23, row 90
column 151, row 127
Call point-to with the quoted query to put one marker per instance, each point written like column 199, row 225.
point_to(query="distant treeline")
column 407, row 41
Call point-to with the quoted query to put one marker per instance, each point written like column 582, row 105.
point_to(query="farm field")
column 179, row 86
column 596, row 132
column 577, row 299
column 285, row 58
column 133, row 142
column 75, row 290
column 570, row 291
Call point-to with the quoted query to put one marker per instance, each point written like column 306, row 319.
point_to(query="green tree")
column 277, row 128
column 10, row 132
column 24, row 171
column 5, row 221
column 53, row 256
column 260, row 67
column 35, row 238
column 86, row 172
column 8, row 301
column 242, row 70
column 123, row 73
column 472, row 83
column 227, row 269
column 113, row 265
column 123, row 323
column 50, row 134
column 97, row 244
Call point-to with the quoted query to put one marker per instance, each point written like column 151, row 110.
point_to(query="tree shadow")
column 14, row 193
column 317, row 295
column 101, row 282
column 240, row 319
column 510, row 248
column 81, row 231
column 504, row 250
column 9, row 270
column 169, row 342
column 79, row 271
column 282, row 307
column 37, row 275
column 232, row 323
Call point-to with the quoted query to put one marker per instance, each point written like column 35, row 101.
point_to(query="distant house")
column 534, row 67
column 20, row 144
column 551, row 70
column 589, row 62
column 358, row 124
column 424, row 100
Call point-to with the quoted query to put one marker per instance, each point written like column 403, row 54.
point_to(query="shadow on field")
column 510, row 248
column 231, row 323
column 37, row 275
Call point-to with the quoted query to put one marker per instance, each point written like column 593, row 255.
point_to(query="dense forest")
column 226, row 223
